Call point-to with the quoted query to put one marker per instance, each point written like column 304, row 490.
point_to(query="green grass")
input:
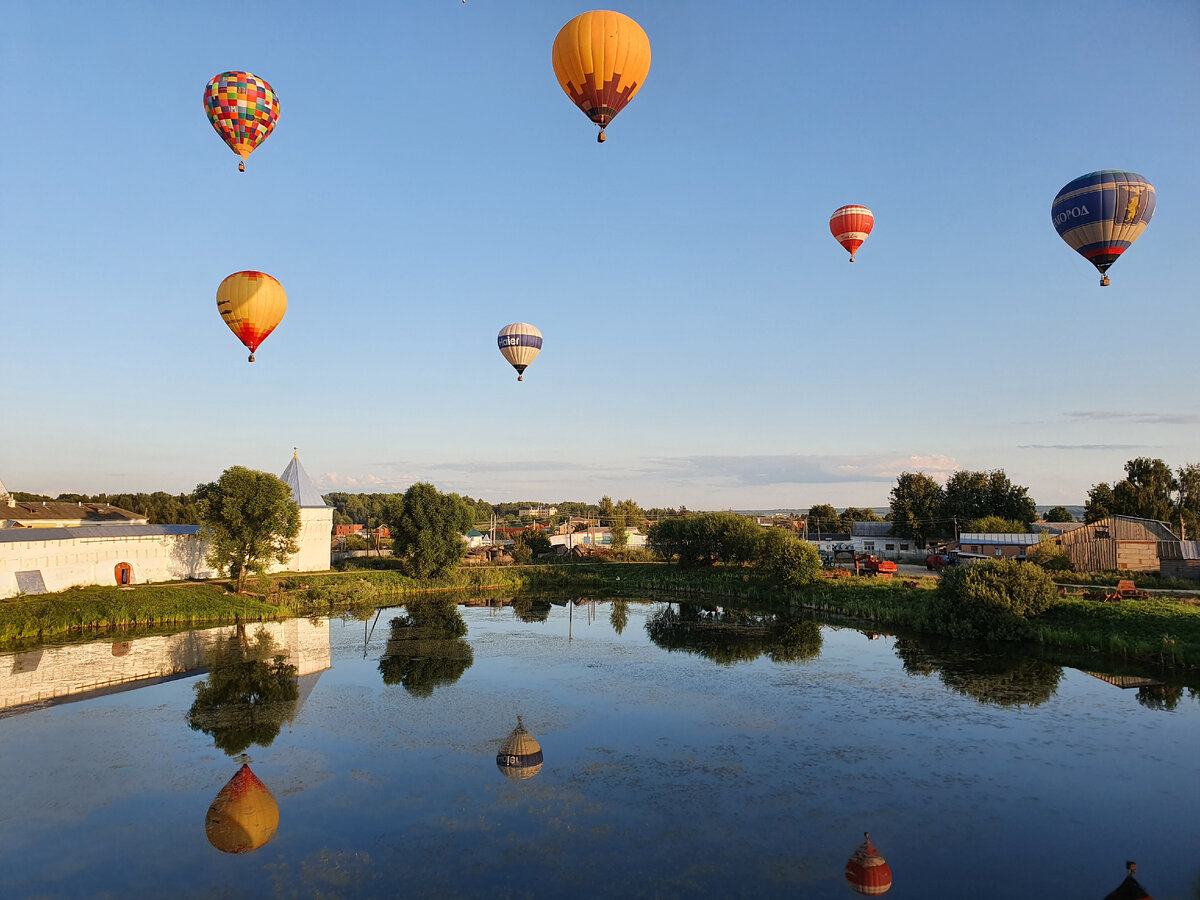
column 1145, row 580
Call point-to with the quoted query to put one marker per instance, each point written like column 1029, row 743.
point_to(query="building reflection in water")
column 244, row 815
column 1129, row 889
column 867, row 871
column 520, row 755
column 426, row 647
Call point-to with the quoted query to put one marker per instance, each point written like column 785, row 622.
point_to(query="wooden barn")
column 1116, row 544
column 1179, row 559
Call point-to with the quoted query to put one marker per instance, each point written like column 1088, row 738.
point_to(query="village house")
column 996, row 545
column 877, row 538
column 1116, row 544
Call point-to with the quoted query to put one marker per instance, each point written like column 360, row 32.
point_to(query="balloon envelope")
column 1101, row 214
column 601, row 59
column 244, row 816
column 243, row 109
column 867, row 871
column 520, row 342
column 850, row 226
column 252, row 304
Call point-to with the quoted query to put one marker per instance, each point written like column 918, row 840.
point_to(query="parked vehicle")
column 935, row 562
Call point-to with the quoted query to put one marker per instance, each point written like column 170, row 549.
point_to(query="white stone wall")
column 79, row 561
column 153, row 558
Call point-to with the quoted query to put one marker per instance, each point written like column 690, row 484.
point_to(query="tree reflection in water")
column 618, row 618
column 250, row 692
column 1002, row 680
column 1160, row 696
column 426, row 647
column 728, row 636
column 527, row 609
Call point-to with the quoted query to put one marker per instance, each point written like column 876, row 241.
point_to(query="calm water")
column 721, row 758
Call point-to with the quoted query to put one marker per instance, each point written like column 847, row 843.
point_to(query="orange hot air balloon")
column 867, row 871
column 244, row 816
column 252, row 304
column 850, row 226
column 601, row 59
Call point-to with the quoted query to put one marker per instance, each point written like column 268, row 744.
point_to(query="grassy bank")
column 186, row 604
column 1160, row 631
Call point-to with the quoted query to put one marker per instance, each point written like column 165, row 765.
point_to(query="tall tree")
column 427, row 530
column 1059, row 514
column 916, row 507
column 1146, row 490
column 852, row 514
column 823, row 517
column 974, row 495
column 1100, row 503
column 1187, row 507
column 250, row 521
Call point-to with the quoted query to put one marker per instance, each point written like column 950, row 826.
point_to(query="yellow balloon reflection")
column 244, row 816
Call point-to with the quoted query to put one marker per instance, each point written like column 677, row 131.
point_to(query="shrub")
column 1050, row 556
column 785, row 557
column 991, row 599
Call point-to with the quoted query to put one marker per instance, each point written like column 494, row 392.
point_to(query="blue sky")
column 706, row 342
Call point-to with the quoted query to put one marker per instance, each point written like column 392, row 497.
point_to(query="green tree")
column 1187, row 506
column 788, row 559
column 528, row 544
column 426, row 647
column 823, row 517
column 1100, row 503
column 250, row 691
column 973, row 495
column 995, row 525
column 1059, row 514
column 427, row 529
column 1049, row 555
column 916, row 507
column 249, row 520
column 1146, row 490
column 993, row 598
column 852, row 514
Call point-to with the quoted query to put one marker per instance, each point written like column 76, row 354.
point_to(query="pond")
column 663, row 751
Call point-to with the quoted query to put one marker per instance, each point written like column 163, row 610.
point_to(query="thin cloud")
column 1136, row 418
column 1081, row 446
column 799, row 469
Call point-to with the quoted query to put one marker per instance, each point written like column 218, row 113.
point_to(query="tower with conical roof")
column 316, row 521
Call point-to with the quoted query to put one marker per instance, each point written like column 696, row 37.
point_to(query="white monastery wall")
column 57, row 672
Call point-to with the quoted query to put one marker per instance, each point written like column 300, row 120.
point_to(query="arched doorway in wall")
column 124, row 573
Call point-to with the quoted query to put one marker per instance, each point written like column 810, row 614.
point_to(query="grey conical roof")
column 304, row 492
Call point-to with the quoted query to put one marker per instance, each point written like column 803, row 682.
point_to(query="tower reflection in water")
column 520, row 755
column 1129, row 889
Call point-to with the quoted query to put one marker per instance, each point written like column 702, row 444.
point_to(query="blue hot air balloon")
column 1101, row 214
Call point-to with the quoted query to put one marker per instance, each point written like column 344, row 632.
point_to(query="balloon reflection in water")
column 867, row 871
column 520, row 755
column 1129, row 889
column 244, row 816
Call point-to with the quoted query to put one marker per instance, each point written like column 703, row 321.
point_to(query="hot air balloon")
column 252, row 304
column 520, row 755
column 244, row 816
column 520, row 343
column 1129, row 889
column 243, row 109
column 850, row 226
column 1101, row 214
column 601, row 59
column 867, row 871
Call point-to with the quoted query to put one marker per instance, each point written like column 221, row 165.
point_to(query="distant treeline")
column 370, row 510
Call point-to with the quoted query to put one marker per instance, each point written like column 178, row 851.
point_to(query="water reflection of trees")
column 529, row 609
column 1160, row 696
column 426, row 647
column 999, row 679
column 618, row 617
column 732, row 636
column 249, row 693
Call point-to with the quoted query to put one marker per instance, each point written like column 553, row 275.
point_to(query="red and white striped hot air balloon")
column 850, row 226
column 867, row 871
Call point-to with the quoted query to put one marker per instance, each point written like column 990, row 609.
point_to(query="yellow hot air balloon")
column 252, row 304
column 601, row 59
column 244, row 816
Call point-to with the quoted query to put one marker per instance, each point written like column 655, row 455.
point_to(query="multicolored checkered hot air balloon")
column 243, row 109
column 520, row 342
column 850, row 226
column 252, row 304
column 601, row 59
column 1101, row 214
